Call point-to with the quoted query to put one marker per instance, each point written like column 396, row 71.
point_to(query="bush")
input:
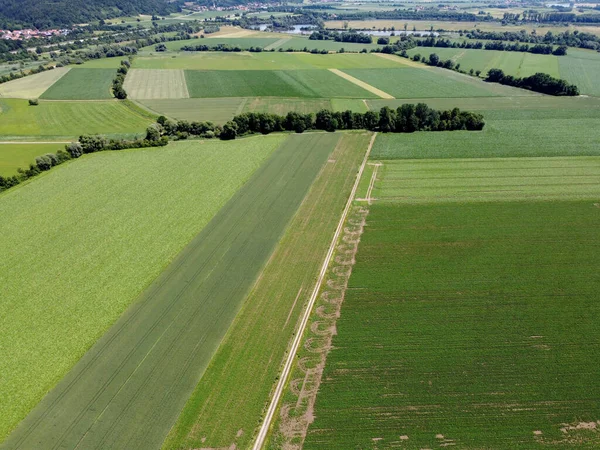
column 34, row 102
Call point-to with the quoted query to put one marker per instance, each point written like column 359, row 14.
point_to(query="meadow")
column 412, row 82
column 262, row 61
column 472, row 325
column 82, row 84
column 216, row 110
column 582, row 68
column 567, row 129
column 67, row 120
column 271, row 83
column 95, row 256
column 32, row 86
column 259, row 336
column 15, row 156
column 156, row 84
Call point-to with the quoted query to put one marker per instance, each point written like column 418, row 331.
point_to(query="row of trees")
column 569, row 39
column 117, row 85
column 544, row 49
column 540, row 82
column 86, row 144
column 346, row 36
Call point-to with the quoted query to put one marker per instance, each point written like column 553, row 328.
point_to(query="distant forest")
column 44, row 14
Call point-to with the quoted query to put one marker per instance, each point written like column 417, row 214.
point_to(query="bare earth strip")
column 156, row 84
column 362, row 84
column 32, row 86
column 278, row 43
column 289, row 363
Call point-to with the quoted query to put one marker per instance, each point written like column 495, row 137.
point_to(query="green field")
column 216, row 110
column 271, row 83
column 15, row 156
column 262, row 61
column 473, row 325
column 243, row 42
column 582, row 68
column 412, row 82
column 553, row 131
column 96, row 274
column 32, row 86
column 300, row 43
column 259, row 336
column 156, row 84
column 67, row 120
column 115, row 396
column 284, row 105
column 519, row 64
column 481, row 180
column 82, row 84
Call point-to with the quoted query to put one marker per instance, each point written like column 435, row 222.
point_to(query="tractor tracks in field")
column 343, row 245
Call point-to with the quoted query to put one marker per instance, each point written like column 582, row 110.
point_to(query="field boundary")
column 266, row 424
column 362, row 84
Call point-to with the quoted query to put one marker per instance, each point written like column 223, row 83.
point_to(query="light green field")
column 340, row 104
column 95, row 275
column 60, row 120
column 519, row 64
column 216, row 110
column 262, row 61
column 15, row 156
column 242, row 42
column 103, row 63
column 489, row 179
column 82, row 84
column 423, row 82
column 155, row 84
column 472, row 325
column 520, row 132
column 261, row 332
column 128, row 390
column 271, row 83
column 32, row 86
column 299, row 43
column 582, row 68
column 282, row 106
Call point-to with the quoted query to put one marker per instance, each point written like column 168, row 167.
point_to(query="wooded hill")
column 44, row 14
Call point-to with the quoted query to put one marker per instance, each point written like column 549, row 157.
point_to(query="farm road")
column 129, row 388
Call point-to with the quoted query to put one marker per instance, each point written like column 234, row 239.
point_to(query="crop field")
column 489, row 179
column 242, row 42
column 284, row 105
column 519, row 64
column 263, row 61
column 82, row 84
column 15, row 156
column 155, row 84
column 271, row 83
column 473, row 325
column 83, row 272
column 32, row 86
column 66, row 120
column 299, row 43
column 259, row 335
column 216, row 110
column 583, row 69
column 169, row 335
column 518, row 132
column 411, row 82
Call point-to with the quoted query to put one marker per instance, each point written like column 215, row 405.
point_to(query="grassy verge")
column 246, row 366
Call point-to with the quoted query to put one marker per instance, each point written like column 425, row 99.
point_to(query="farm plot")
column 32, row 86
column 15, row 156
column 96, row 268
column 582, row 68
column 115, row 396
column 569, row 129
column 271, row 83
column 245, row 366
column 216, row 110
column 66, row 120
column 409, row 82
column 82, row 84
column 472, row 325
column 242, row 42
column 262, row 61
column 155, row 84
column 282, row 106
column 481, row 180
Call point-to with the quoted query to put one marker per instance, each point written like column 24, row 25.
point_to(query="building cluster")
column 19, row 35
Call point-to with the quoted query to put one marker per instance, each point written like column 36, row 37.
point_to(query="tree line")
column 117, row 84
column 347, row 36
column 542, row 49
column 576, row 38
column 540, row 82
column 406, row 118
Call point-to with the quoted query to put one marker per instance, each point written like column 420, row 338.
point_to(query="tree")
column 43, row 162
column 229, row 131
column 153, row 132
column 434, row 59
column 74, row 149
column 387, row 119
column 325, row 121
column 383, row 41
